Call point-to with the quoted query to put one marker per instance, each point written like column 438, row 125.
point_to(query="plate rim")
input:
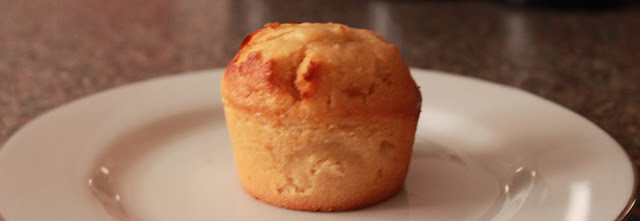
column 624, row 213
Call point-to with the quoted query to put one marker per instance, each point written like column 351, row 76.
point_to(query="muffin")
column 322, row 117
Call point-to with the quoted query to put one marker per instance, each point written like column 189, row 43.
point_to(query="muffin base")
column 322, row 163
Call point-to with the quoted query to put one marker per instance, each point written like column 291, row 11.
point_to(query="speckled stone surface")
column 52, row 52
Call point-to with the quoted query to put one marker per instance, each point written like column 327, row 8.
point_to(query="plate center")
column 152, row 165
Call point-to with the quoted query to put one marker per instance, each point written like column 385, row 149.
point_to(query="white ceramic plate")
column 159, row 150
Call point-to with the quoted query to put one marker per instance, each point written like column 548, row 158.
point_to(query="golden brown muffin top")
column 313, row 69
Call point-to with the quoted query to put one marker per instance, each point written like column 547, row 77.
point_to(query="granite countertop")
column 52, row 52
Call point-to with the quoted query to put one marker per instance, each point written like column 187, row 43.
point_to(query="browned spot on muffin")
column 247, row 40
column 310, row 80
column 272, row 25
column 255, row 74
column 385, row 146
column 253, row 69
column 354, row 91
column 312, row 71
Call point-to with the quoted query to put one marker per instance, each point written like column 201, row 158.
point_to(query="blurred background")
column 584, row 55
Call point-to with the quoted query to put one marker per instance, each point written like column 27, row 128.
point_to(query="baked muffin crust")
column 322, row 117
column 319, row 69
